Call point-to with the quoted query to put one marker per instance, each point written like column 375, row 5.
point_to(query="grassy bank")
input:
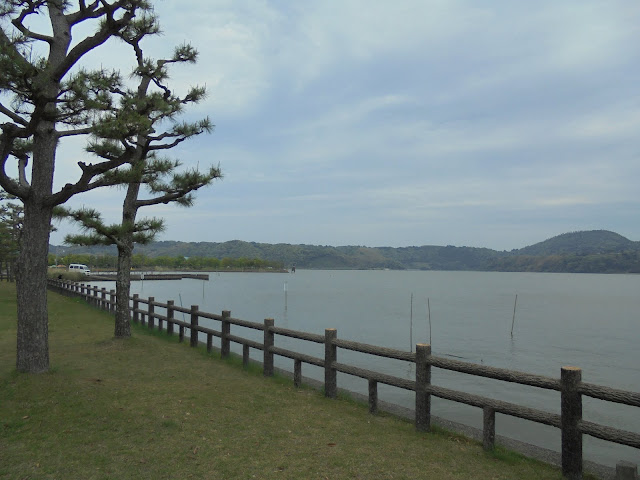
column 149, row 407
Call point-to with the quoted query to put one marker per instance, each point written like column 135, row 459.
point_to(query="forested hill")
column 596, row 251
column 581, row 243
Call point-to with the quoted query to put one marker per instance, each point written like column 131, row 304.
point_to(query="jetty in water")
column 151, row 276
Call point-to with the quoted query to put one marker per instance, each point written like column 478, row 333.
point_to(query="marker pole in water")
column 180, row 296
column 429, row 314
column 411, row 325
column 514, row 314
column 285, row 295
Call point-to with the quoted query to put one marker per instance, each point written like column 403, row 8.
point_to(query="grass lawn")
column 149, row 407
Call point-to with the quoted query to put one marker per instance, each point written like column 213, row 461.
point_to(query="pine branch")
column 9, row 139
column 13, row 116
column 109, row 27
column 181, row 187
column 32, row 8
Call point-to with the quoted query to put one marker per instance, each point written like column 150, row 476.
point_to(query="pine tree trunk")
column 123, row 286
column 125, row 251
column 31, row 286
column 32, row 354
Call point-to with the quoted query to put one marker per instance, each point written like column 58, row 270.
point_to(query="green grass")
column 151, row 408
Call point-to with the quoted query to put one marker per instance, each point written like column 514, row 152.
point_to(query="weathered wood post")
column 297, row 372
column 151, row 310
column 209, row 342
column 267, row 363
column 423, row 380
column 626, row 470
column 159, row 322
column 570, row 416
column 170, row 313
column 245, row 355
column 373, row 397
column 136, row 306
column 225, row 343
column 194, row 326
column 488, row 428
column 112, row 301
column 103, row 299
column 330, row 357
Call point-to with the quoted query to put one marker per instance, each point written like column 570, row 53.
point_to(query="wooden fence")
column 570, row 384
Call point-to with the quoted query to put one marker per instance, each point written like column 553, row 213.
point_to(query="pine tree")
column 10, row 233
column 145, row 171
column 46, row 97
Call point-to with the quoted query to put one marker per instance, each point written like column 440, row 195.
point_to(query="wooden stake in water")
column 411, row 326
column 514, row 314
column 429, row 313
column 180, row 296
column 285, row 296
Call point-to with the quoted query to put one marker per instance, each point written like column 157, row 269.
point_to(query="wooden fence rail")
column 570, row 385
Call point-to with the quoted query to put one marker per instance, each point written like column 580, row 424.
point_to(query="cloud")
column 417, row 122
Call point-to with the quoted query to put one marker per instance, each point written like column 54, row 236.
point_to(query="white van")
column 79, row 267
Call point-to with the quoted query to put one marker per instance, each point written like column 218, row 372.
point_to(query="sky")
column 492, row 124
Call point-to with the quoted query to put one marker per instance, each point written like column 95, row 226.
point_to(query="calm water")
column 589, row 321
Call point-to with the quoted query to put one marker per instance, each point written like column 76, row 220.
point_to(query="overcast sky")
column 471, row 123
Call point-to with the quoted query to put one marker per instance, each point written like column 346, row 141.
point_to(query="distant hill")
column 597, row 251
column 581, row 243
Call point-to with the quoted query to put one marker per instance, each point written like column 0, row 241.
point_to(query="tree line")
column 141, row 261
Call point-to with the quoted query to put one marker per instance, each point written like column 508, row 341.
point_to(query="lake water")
column 589, row 321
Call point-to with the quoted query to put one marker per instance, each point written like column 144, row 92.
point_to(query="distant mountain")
column 581, row 243
column 595, row 251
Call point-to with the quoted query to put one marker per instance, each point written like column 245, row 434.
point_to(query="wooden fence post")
column 194, row 326
column 373, row 397
column 570, row 416
column 423, row 380
column 267, row 364
column 159, row 323
column 488, row 428
column 94, row 297
column 151, row 310
column 245, row 356
column 170, row 313
column 297, row 372
column 626, row 470
column 225, row 343
column 112, row 301
column 330, row 357
column 136, row 306
column 209, row 342
column 103, row 300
